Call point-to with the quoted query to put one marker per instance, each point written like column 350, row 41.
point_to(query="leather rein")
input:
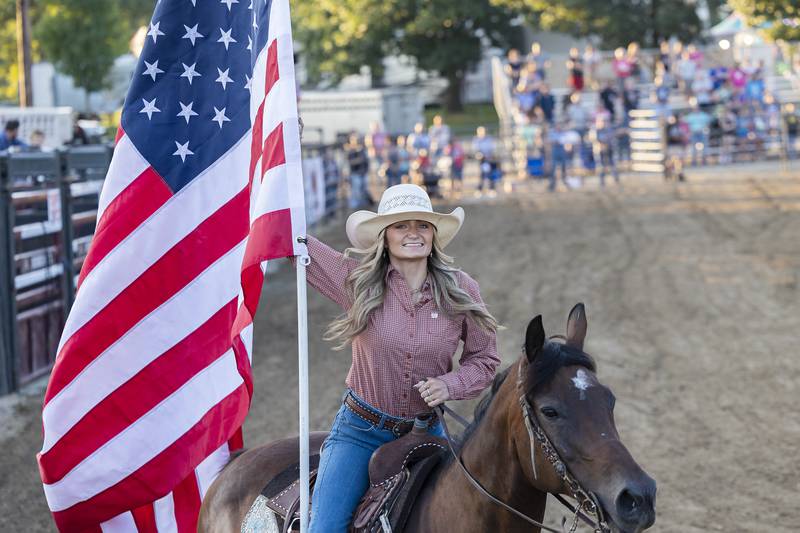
column 586, row 501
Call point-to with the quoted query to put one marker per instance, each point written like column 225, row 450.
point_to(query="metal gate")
column 48, row 209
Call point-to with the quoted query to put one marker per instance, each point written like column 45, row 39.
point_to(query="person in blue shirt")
column 10, row 136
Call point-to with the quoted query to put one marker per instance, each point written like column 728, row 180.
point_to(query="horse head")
column 567, row 402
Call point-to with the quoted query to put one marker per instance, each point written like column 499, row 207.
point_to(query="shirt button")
column 412, row 313
column 411, row 335
column 405, row 395
column 406, row 376
column 408, row 356
column 403, row 415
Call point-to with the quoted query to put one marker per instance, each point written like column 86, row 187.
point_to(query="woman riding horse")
column 405, row 310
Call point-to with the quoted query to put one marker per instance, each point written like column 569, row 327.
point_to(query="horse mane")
column 552, row 357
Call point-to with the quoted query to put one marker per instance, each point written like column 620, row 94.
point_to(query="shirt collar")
column 391, row 270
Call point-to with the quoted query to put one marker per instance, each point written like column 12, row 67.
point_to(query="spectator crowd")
column 707, row 108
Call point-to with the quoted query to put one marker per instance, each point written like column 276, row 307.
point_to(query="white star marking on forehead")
column 582, row 381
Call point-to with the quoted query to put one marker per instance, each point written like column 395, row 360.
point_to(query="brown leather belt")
column 398, row 427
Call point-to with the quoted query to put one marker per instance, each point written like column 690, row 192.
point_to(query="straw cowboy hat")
column 401, row 202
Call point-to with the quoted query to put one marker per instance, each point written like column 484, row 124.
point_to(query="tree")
column 82, row 38
column 780, row 19
column 615, row 22
column 445, row 37
column 338, row 38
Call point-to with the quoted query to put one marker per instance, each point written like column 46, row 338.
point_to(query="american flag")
column 152, row 381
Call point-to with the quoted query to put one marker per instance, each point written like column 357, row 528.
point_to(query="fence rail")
column 48, row 211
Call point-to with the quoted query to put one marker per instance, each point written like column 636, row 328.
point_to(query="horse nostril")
column 636, row 507
column 629, row 503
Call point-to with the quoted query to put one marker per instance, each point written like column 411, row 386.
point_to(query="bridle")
column 586, row 502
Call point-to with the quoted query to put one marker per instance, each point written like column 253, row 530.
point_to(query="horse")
column 545, row 427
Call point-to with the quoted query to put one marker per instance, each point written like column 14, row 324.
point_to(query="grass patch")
column 464, row 123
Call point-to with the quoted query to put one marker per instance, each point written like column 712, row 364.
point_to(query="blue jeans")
column 342, row 478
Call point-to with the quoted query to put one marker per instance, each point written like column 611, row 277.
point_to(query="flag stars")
column 182, row 151
column 223, row 78
column 219, row 116
column 150, row 108
column 154, row 32
column 226, row 38
column 255, row 21
column 189, row 72
column 186, row 111
column 192, row 34
column 152, row 69
column 248, row 84
column 229, row 3
column 249, row 43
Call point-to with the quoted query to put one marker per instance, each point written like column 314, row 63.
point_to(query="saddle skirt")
column 397, row 472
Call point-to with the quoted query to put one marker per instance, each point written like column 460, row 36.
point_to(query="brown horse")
column 567, row 403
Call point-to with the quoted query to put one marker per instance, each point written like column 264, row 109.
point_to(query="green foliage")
column 82, row 38
column 338, row 37
column 771, row 14
column 616, row 22
column 9, row 90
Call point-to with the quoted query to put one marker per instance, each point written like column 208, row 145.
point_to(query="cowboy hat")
column 401, row 202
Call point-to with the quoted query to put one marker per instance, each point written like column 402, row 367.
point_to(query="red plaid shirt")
column 406, row 342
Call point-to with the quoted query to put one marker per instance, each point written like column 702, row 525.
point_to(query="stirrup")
column 386, row 527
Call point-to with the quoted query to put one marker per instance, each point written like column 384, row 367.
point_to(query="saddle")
column 397, row 472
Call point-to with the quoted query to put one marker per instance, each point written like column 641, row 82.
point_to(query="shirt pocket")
column 445, row 331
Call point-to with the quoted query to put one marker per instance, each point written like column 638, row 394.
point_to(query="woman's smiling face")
column 410, row 239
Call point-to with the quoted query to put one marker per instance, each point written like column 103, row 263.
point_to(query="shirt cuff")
column 454, row 385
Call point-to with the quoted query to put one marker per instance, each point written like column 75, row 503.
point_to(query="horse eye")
column 549, row 412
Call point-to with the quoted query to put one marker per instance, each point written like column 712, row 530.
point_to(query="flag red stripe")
column 166, row 470
column 236, row 442
column 274, row 154
column 145, row 519
column 124, row 214
column 215, row 236
column 139, row 395
column 255, row 141
column 187, row 504
column 120, row 133
column 270, row 238
column 272, row 66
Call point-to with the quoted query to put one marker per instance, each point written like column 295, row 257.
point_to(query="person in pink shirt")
column 622, row 67
column 737, row 78
column 406, row 309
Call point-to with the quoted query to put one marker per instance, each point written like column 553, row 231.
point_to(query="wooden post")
column 24, row 54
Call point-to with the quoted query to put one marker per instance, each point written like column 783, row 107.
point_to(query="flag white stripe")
column 126, row 165
column 258, row 83
column 164, row 511
column 274, row 193
column 148, row 436
column 151, row 337
column 187, row 209
column 211, row 466
column 122, row 523
column 247, row 339
column 280, row 100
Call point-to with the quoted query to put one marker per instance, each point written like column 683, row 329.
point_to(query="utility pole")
column 24, row 54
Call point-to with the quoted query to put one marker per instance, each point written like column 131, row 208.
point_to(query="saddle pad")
column 260, row 518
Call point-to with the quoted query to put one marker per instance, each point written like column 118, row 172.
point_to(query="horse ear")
column 576, row 327
column 534, row 337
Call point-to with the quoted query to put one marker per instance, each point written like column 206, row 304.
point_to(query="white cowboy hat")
column 401, row 202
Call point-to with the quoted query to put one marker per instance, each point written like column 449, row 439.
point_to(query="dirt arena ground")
column 694, row 313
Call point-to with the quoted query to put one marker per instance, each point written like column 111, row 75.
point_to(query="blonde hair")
column 366, row 286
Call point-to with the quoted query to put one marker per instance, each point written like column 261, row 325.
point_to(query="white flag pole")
column 302, row 382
